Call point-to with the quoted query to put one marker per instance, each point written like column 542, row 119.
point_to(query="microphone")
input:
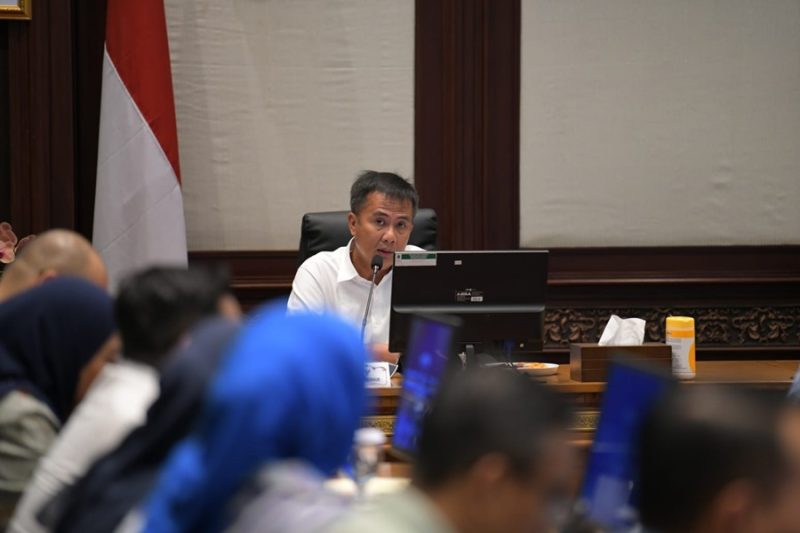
column 376, row 264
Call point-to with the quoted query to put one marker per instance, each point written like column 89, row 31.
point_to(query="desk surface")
column 757, row 374
column 587, row 396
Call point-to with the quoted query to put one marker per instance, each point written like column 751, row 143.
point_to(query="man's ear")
column 734, row 507
column 489, row 471
column 46, row 275
column 351, row 223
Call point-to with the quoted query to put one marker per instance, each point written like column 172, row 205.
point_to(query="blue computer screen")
column 609, row 482
column 425, row 361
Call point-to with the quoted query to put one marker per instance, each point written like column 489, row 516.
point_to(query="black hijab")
column 48, row 334
column 118, row 482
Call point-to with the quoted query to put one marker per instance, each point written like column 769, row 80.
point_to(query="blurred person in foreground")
column 54, row 339
column 788, row 517
column 492, row 458
column 711, row 460
column 278, row 418
column 118, row 482
column 154, row 310
column 57, row 252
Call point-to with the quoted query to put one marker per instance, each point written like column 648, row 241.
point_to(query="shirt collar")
column 347, row 269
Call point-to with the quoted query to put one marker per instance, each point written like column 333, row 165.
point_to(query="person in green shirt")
column 492, row 458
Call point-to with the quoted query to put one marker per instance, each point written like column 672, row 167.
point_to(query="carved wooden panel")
column 714, row 326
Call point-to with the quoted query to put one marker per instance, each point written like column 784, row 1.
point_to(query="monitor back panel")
column 497, row 294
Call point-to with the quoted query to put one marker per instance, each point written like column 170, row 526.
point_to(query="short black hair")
column 486, row 411
column 392, row 185
column 156, row 306
column 694, row 442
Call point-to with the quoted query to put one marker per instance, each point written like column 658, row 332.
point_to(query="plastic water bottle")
column 367, row 455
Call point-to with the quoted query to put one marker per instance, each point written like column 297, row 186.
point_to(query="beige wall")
column 280, row 103
column 666, row 122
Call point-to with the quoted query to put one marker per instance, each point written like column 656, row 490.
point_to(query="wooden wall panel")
column 466, row 149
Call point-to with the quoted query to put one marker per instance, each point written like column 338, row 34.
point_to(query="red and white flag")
column 138, row 213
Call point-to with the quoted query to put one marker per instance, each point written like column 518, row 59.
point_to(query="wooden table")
column 586, row 396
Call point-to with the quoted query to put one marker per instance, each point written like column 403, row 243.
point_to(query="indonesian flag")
column 138, row 213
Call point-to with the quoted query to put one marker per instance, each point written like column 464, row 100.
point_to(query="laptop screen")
column 794, row 389
column 429, row 354
column 608, row 487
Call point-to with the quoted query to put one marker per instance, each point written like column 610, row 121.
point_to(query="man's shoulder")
column 405, row 511
column 369, row 517
column 325, row 261
column 413, row 248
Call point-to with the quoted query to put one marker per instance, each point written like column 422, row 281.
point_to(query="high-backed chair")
column 327, row 231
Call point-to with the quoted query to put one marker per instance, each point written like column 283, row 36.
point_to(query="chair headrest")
column 327, row 230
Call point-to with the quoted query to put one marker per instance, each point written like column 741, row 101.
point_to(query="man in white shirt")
column 382, row 209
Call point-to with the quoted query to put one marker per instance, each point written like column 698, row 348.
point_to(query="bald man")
column 53, row 253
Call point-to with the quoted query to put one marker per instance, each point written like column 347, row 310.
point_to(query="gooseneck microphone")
column 375, row 265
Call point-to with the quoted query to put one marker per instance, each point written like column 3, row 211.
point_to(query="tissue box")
column 589, row 362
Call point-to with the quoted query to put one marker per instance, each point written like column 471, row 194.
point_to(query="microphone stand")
column 377, row 264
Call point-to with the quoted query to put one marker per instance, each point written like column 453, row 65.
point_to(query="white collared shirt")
column 328, row 281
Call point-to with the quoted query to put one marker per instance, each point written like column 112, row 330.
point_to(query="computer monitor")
column 498, row 295
column 427, row 360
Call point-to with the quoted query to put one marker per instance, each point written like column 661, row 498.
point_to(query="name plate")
column 378, row 374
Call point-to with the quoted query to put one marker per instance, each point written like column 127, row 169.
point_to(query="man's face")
column 381, row 227
column 777, row 512
column 228, row 306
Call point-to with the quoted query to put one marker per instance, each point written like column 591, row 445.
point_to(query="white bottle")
column 368, row 453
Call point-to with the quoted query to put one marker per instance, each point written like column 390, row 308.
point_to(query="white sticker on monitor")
column 469, row 296
column 415, row 259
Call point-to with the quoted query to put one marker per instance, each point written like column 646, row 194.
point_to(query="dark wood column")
column 5, row 141
column 41, row 119
column 466, row 159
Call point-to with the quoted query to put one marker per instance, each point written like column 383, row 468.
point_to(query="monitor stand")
column 472, row 358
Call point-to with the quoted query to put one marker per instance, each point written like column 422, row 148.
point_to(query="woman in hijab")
column 54, row 339
column 117, row 483
column 291, row 388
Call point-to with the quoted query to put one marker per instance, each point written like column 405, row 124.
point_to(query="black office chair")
column 327, row 231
